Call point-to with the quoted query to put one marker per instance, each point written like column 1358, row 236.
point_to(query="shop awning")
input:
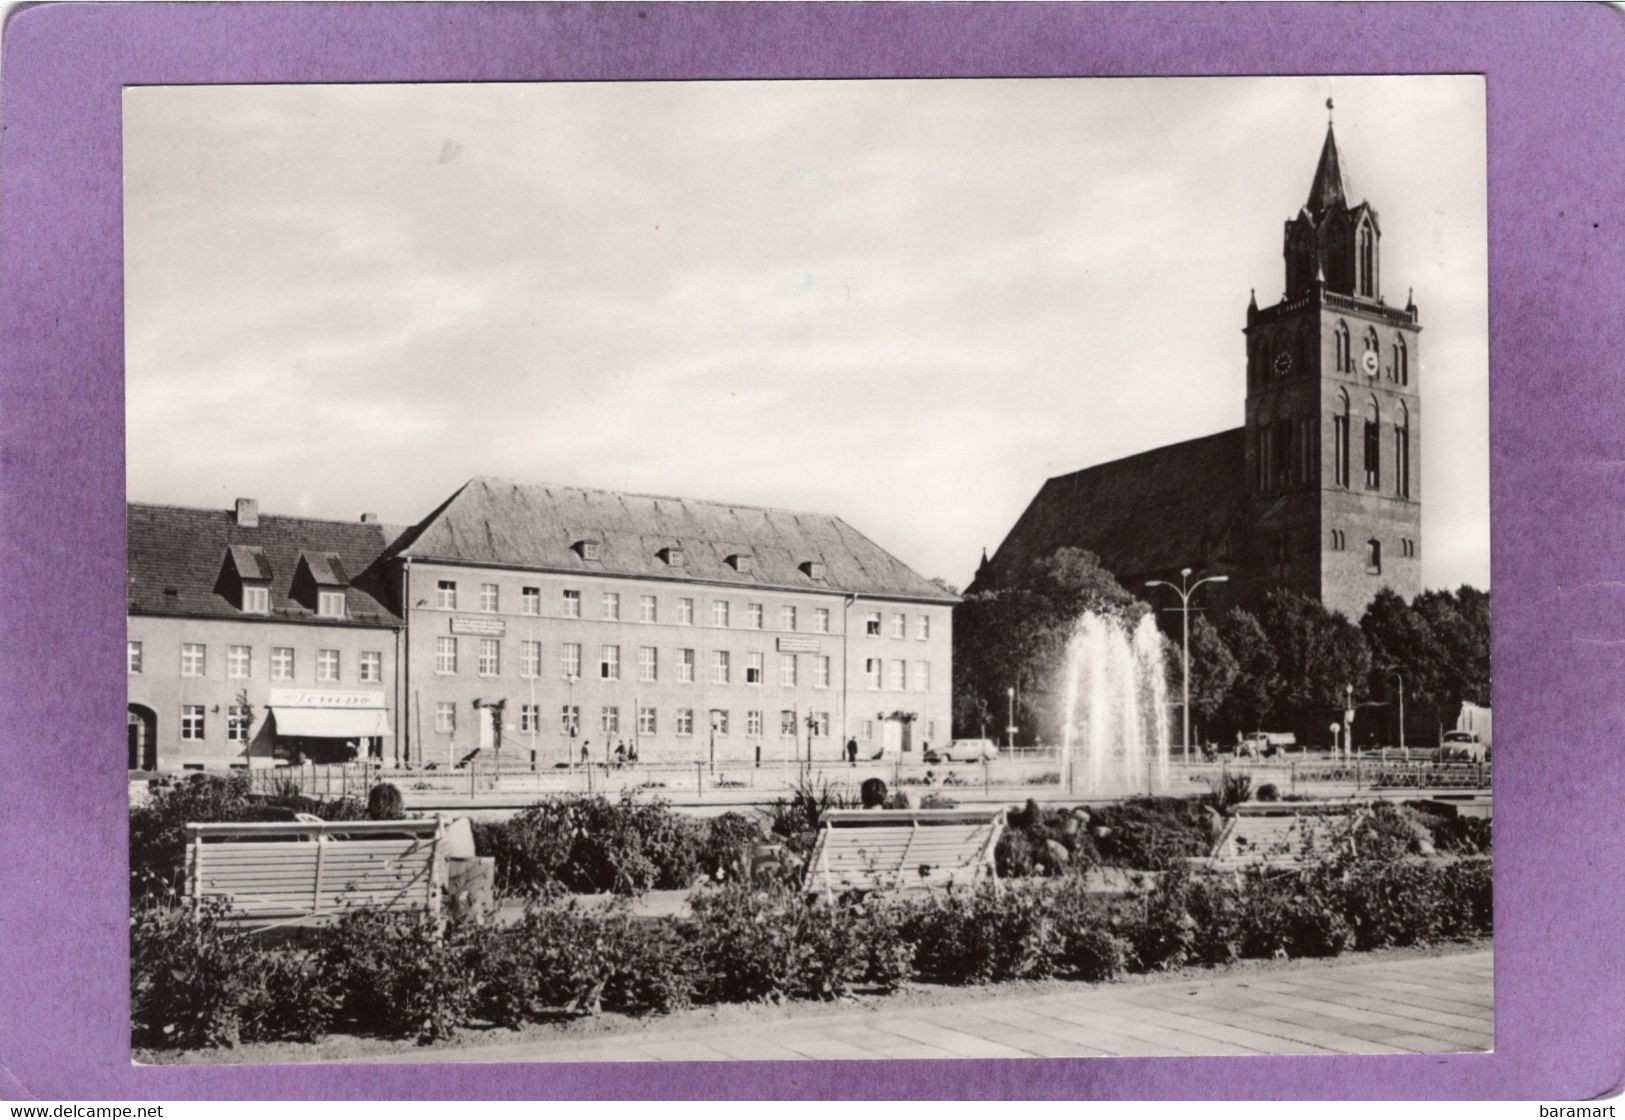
column 331, row 723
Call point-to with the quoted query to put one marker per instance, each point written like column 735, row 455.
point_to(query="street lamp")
column 1401, row 681
column 1184, row 592
column 1348, row 722
column 574, row 719
column 1010, row 724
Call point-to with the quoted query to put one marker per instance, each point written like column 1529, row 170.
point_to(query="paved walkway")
column 1418, row 1005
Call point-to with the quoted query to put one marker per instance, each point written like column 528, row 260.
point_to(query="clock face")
column 1283, row 364
column 1370, row 363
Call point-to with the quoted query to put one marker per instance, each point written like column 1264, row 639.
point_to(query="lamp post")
column 1348, row 722
column 574, row 718
column 1184, row 590
column 1010, row 724
column 1401, row 681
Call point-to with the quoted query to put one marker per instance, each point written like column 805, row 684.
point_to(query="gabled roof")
column 1152, row 512
column 500, row 523
column 174, row 557
column 1330, row 187
column 326, row 568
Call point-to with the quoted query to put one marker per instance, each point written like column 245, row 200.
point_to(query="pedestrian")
column 586, row 754
column 620, row 754
column 852, row 751
column 632, row 753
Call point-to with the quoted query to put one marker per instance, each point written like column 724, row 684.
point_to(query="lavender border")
column 1558, row 482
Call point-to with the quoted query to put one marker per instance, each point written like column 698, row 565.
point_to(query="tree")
column 1318, row 653
column 1250, row 701
column 1460, row 622
column 1402, row 642
column 1213, row 670
column 1014, row 635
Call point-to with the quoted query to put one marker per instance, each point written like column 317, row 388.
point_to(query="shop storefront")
column 312, row 725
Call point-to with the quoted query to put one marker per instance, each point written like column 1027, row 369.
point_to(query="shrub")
column 1230, row 790
column 591, row 845
column 399, row 976
column 384, row 803
column 1088, row 949
column 795, row 819
column 1150, row 833
column 971, row 936
column 1268, row 792
column 657, row 969
column 725, row 852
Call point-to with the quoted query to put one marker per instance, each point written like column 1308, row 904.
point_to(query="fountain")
column 1115, row 720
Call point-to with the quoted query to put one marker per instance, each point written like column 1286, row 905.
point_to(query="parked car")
column 1461, row 746
column 964, row 750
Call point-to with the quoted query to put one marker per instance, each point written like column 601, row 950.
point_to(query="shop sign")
column 485, row 627
column 319, row 698
column 799, row 645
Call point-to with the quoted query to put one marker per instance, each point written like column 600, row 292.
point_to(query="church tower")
column 1333, row 417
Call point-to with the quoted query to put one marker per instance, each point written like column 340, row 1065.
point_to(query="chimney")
column 369, row 519
column 248, row 512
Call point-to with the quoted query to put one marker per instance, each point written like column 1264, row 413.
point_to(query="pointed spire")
column 1252, row 299
column 1329, row 188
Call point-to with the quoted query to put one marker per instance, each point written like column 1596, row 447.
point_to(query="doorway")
column 143, row 732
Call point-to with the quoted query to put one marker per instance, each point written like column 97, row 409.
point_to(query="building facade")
column 1319, row 491
column 248, row 641
column 571, row 622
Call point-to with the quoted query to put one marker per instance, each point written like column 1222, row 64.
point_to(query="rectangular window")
column 685, row 721
column 821, row 619
column 132, row 657
column 787, row 724
column 753, row 668
column 490, row 597
column 327, row 665
column 1373, row 557
column 719, row 721
column 719, row 613
column 530, row 718
column 754, row 611
column 330, row 604
column 820, row 725
column 572, row 603
column 821, row 672
column 256, row 600
column 239, row 662
column 899, row 626
column 871, row 674
column 685, row 666
column 646, row 722
column 530, row 660
column 787, row 618
column 685, row 612
column 1373, row 455
column 721, row 667
column 609, row 720
column 648, row 608
column 868, row 729
column 787, row 670
column 282, row 663
column 871, row 624
column 609, row 607
column 648, row 663
column 899, row 676
column 490, row 657
column 192, row 723
column 372, row 667
column 570, row 660
column 194, row 659
column 609, row 663
column 445, row 716
column 922, row 628
column 753, row 724
column 530, row 600
column 237, row 722
column 445, row 655
column 445, row 594
column 570, row 720
column 922, row 676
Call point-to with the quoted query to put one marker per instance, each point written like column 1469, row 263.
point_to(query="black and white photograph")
column 808, row 569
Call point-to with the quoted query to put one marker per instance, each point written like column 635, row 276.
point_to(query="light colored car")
column 964, row 750
column 1464, row 746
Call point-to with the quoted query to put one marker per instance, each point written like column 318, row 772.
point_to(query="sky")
column 907, row 303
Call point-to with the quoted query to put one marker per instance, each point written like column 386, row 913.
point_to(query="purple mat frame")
column 1556, row 134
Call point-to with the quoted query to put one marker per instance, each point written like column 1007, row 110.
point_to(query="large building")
column 553, row 619
column 1318, row 490
column 252, row 638
column 527, row 623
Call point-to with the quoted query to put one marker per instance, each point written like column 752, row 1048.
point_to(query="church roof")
column 1152, row 512
column 500, row 523
column 1330, row 187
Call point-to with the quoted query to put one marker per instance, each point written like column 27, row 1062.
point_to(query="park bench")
column 273, row 873
column 903, row 849
column 1278, row 834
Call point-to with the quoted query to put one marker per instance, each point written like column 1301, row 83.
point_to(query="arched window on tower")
column 1373, row 447
column 1368, row 261
column 1344, row 359
column 1402, row 452
column 1401, row 372
column 1340, row 439
column 1373, row 557
column 1262, row 370
column 1283, row 453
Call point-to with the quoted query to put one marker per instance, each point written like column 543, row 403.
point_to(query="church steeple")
column 1332, row 241
column 1329, row 188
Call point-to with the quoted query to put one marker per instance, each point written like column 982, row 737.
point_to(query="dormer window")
column 330, row 604
column 740, row 562
column 813, row 569
column 319, row 583
column 672, row 555
column 256, row 599
column 587, row 549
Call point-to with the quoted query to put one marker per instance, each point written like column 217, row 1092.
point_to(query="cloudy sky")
column 907, row 303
